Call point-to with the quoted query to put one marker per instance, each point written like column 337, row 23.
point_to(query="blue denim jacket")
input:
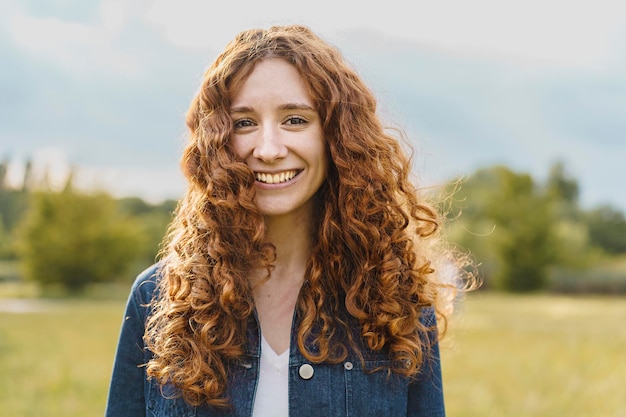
column 323, row 389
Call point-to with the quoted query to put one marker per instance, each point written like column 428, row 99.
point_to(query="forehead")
column 272, row 79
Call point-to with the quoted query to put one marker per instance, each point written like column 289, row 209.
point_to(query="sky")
column 101, row 87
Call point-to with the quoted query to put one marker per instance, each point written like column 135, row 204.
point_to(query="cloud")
column 78, row 48
column 544, row 32
column 464, row 112
column 153, row 184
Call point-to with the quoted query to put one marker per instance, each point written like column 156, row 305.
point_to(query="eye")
column 295, row 120
column 243, row 123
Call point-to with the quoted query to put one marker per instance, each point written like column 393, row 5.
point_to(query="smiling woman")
column 301, row 260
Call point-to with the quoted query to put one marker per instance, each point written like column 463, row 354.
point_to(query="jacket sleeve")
column 426, row 391
column 126, row 391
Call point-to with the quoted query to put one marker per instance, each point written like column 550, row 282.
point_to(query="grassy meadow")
column 539, row 356
column 504, row 355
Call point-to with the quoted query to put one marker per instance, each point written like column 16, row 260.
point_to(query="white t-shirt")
column 272, row 393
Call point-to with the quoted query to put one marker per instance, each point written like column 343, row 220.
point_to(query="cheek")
column 239, row 147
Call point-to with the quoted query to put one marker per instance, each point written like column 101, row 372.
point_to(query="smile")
column 277, row 178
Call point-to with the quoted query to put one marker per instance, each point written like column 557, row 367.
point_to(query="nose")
column 269, row 146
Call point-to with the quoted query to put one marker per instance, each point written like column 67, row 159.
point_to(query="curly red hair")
column 377, row 249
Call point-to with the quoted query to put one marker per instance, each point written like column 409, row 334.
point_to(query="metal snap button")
column 348, row 366
column 306, row 371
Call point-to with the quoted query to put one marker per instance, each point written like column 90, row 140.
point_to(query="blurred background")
column 516, row 110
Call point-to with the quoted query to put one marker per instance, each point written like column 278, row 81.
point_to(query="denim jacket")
column 315, row 389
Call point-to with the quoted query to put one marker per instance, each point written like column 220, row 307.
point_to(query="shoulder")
column 145, row 286
column 428, row 317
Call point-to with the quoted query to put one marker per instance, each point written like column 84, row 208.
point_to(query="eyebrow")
column 286, row 106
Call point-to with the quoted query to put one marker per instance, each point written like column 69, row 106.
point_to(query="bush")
column 73, row 239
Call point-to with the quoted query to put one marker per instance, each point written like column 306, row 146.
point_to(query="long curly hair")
column 377, row 250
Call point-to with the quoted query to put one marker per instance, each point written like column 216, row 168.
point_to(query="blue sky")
column 103, row 85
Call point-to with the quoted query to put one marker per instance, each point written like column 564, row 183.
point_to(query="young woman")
column 301, row 274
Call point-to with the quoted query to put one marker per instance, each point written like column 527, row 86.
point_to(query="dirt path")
column 26, row 305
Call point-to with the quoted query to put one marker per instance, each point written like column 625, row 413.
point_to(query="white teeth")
column 276, row 178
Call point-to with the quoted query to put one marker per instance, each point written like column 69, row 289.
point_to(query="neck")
column 292, row 237
column 275, row 299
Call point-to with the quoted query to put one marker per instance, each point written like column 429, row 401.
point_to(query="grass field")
column 540, row 356
column 504, row 356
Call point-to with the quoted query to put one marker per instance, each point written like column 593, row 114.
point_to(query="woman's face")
column 278, row 132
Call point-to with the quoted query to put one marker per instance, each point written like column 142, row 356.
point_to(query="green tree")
column 153, row 219
column 561, row 186
column 563, row 191
column 73, row 239
column 607, row 229
column 4, row 241
column 4, row 168
column 506, row 221
column 13, row 204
